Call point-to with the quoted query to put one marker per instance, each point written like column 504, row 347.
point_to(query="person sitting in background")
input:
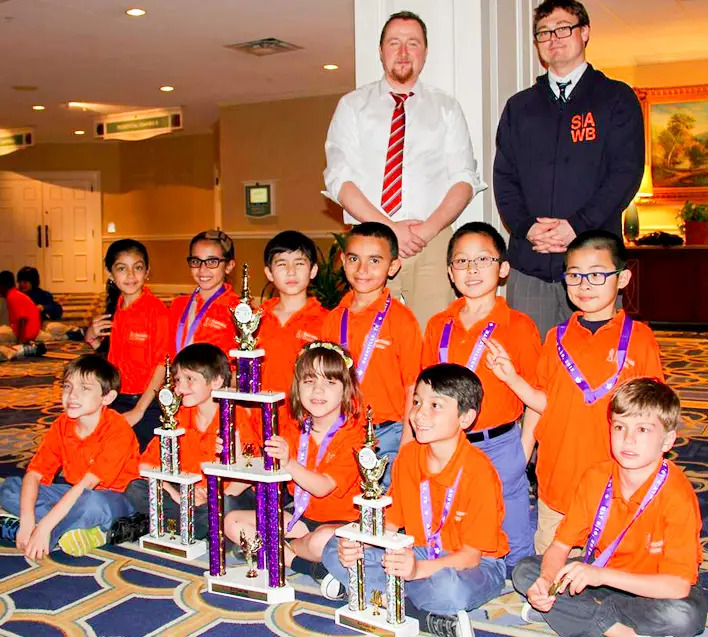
column 24, row 322
column 28, row 283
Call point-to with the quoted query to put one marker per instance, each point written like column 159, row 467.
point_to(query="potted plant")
column 693, row 219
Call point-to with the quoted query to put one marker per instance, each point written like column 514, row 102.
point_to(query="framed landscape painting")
column 676, row 125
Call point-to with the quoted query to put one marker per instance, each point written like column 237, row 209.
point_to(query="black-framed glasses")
column 559, row 32
column 212, row 262
column 478, row 262
column 593, row 278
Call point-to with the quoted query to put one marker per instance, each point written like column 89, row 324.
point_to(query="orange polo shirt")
column 477, row 510
column 110, row 452
column 139, row 341
column 572, row 435
column 339, row 463
column 395, row 362
column 283, row 342
column 666, row 537
column 216, row 326
column 518, row 335
column 20, row 306
column 195, row 446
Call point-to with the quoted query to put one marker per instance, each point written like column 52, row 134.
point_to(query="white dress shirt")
column 437, row 152
column 573, row 77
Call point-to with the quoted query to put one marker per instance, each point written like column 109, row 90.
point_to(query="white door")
column 21, row 216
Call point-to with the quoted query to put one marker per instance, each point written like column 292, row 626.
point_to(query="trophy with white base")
column 262, row 579
column 371, row 530
column 161, row 538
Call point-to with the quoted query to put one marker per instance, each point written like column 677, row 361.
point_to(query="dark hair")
column 478, row 227
column 454, row 381
column 122, row 246
column 205, row 359
column 88, row 365
column 216, row 236
column 404, row 15
column 599, row 240
column 289, row 241
column 7, row 280
column 29, row 275
column 335, row 363
column 377, row 230
column 573, row 7
column 641, row 396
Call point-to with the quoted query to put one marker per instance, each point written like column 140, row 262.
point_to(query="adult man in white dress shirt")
column 437, row 171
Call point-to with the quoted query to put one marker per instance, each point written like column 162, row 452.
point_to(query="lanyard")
column 433, row 544
column 592, row 395
column 477, row 350
column 179, row 343
column 302, row 497
column 603, row 512
column 369, row 342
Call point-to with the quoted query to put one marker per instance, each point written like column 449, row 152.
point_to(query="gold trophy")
column 248, row 452
column 249, row 548
column 167, row 399
column 172, row 528
column 376, row 601
column 245, row 319
column 371, row 467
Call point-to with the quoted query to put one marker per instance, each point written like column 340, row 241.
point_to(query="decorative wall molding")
column 234, row 234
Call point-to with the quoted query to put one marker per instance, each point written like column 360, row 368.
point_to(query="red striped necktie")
column 393, row 172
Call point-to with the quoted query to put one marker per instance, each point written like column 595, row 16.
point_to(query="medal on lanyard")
column 433, row 544
column 369, row 341
column 197, row 319
column 477, row 350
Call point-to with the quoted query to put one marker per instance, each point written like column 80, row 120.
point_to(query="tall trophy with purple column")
column 268, row 585
column 159, row 539
column 359, row 614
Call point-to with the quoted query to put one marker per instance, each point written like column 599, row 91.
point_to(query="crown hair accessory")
column 333, row 347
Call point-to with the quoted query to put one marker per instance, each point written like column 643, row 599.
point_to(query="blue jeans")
column 389, row 440
column 443, row 593
column 508, row 458
column 93, row 508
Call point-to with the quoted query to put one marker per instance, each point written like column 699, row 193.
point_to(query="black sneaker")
column 128, row 529
column 33, row 349
column 9, row 525
column 448, row 626
column 76, row 334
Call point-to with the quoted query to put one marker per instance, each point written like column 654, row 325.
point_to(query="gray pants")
column 546, row 303
column 595, row 610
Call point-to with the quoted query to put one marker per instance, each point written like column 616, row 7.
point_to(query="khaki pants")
column 423, row 283
column 548, row 521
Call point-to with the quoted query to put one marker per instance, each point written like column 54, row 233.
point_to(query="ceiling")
column 90, row 51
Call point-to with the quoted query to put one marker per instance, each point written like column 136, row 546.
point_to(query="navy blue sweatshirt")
column 582, row 163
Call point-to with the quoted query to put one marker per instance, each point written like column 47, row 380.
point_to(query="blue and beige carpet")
column 123, row 592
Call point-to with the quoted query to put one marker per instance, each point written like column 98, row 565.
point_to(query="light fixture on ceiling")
column 79, row 132
column 38, row 107
column 330, row 67
column 167, row 88
column 264, row 46
column 136, row 12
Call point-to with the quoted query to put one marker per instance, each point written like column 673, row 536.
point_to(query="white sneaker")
column 331, row 588
column 530, row 615
column 463, row 624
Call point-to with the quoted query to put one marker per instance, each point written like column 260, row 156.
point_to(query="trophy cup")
column 159, row 539
column 357, row 614
column 249, row 547
column 269, row 585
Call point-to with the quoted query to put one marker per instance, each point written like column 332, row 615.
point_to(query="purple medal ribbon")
column 302, row 497
column 603, row 512
column 197, row 319
column 433, row 546
column 477, row 350
column 369, row 342
column 591, row 395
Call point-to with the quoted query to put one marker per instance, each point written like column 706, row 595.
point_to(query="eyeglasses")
column 478, row 262
column 212, row 262
column 593, row 278
column 559, row 32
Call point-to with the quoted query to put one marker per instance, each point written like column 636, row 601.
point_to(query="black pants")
column 595, row 610
column 144, row 429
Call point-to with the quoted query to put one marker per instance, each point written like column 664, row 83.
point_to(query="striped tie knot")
column 400, row 98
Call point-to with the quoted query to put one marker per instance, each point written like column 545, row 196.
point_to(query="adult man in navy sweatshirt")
column 570, row 155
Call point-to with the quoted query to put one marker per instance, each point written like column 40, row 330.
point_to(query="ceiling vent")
column 266, row 46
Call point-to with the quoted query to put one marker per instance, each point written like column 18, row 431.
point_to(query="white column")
column 480, row 51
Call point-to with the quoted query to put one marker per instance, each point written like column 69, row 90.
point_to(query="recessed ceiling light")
column 79, row 132
column 38, row 107
column 136, row 13
column 167, row 88
column 330, row 67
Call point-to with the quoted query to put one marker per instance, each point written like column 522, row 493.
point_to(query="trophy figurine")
column 249, row 548
column 263, row 581
column 161, row 538
column 371, row 530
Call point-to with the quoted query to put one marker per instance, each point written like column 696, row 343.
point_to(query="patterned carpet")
column 120, row 591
